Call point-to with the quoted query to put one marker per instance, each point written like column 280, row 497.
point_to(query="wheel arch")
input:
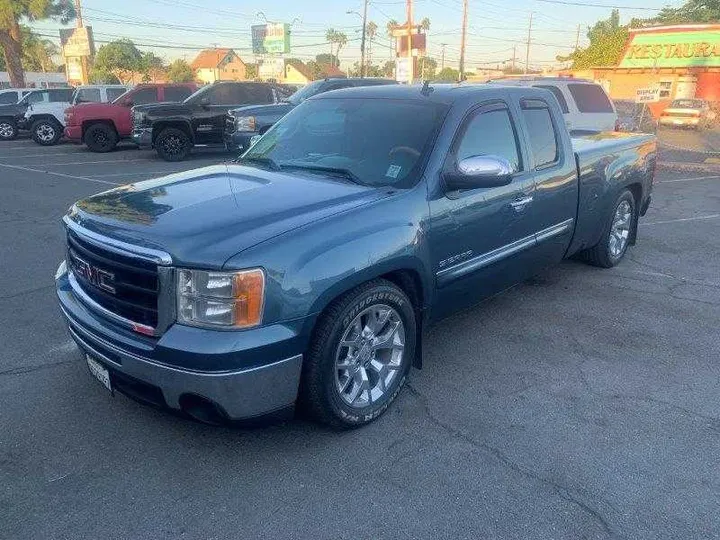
column 87, row 124
column 182, row 125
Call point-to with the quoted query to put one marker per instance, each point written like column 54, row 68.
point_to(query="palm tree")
column 336, row 38
column 425, row 24
column 370, row 33
column 391, row 25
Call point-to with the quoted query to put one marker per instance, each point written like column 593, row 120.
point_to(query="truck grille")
column 124, row 285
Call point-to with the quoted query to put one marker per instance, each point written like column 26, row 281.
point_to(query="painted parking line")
column 61, row 175
column 689, row 179
column 697, row 218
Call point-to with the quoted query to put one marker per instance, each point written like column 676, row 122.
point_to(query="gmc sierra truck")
column 306, row 272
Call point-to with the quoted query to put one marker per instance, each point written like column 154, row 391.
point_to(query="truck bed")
column 605, row 162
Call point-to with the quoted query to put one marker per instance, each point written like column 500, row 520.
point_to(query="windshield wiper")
column 258, row 160
column 339, row 171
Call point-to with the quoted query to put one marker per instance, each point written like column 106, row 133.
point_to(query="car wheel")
column 616, row 234
column 360, row 355
column 8, row 130
column 173, row 144
column 101, row 138
column 46, row 132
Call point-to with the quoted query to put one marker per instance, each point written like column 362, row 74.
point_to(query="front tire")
column 616, row 235
column 46, row 132
column 173, row 144
column 101, row 138
column 360, row 355
column 8, row 130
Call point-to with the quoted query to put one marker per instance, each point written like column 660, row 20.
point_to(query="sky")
column 177, row 28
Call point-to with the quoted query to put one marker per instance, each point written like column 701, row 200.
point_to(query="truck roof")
column 436, row 93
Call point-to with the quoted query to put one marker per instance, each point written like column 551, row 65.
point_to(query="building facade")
column 212, row 65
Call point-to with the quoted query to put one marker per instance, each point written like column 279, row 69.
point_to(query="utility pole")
column 442, row 57
column 513, row 58
column 363, row 69
column 577, row 38
column 84, row 69
column 411, row 67
column 462, row 41
column 527, row 49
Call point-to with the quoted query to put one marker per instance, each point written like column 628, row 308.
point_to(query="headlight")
column 138, row 117
column 221, row 299
column 245, row 123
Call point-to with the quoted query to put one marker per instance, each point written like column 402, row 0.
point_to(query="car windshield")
column 378, row 142
column 305, row 92
column 686, row 104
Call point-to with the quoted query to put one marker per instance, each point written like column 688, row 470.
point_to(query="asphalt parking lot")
column 583, row 403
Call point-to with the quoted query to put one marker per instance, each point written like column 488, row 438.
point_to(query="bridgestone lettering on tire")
column 360, row 355
column 616, row 233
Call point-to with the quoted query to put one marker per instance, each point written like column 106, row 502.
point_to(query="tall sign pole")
column 411, row 74
column 363, row 66
column 85, row 75
column 527, row 48
column 462, row 41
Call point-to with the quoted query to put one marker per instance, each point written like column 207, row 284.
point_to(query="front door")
column 481, row 239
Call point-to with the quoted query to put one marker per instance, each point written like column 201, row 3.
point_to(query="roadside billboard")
column 670, row 47
column 270, row 38
column 647, row 95
column 77, row 42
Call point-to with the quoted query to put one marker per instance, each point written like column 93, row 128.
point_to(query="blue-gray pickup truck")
column 305, row 272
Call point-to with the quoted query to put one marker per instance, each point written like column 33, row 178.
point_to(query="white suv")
column 10, row 96
column 584, row 103
column 46, row 118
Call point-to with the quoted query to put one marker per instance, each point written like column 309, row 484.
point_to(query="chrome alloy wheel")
column 369, row 356
column 6, row 130
column 45, row 132
column 620, row 229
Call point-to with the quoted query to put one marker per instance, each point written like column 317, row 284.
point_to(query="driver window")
column 490, row 133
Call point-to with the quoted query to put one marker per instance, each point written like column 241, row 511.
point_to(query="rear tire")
column 46, row 132
column 101, row 138
column 616, row 234
column 360, row 355
column 173, row 144
column 8, row 130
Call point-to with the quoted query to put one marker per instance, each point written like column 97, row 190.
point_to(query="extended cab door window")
column 87, row 95
column 490, row 133
column 176, row 93
column 542, row 136
column 144, row 95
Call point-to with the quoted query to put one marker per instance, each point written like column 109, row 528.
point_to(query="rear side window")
column 114, row 93
column 87, row 95
column 36, row 97
column 503, row 142
column 177, row 93
column 60, row 95
column 590, row 98
column 8, row 97
column 240, row 94
column 144, row 95
column 558, row 94
column 258, row 94
column 541, row 132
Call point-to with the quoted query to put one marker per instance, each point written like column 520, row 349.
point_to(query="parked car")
column 12, row 117
column 245, row 125
column 46, row 119
column 584, row 103
column 693, row 113
column 174, row 129
column 634, row 117
column 309, row 268
column 10, row 96
column 102, row 125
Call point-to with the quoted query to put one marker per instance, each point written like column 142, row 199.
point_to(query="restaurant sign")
column 673, row 49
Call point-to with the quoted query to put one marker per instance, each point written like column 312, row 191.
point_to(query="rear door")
column 480, row 238
column 595, row 111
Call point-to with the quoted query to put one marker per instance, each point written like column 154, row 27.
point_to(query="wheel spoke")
column 348, row 382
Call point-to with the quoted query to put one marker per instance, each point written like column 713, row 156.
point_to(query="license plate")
column 99, row 372
column 254, row 139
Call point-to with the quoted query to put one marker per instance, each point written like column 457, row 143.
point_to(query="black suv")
column 12, row 117
column 246, row 124
column 173, row 129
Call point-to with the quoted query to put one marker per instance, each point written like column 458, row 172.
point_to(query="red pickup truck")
column 101, row 125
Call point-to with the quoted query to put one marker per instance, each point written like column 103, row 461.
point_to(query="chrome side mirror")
column 480, row 172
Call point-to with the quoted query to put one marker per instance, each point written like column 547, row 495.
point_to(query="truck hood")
column 205, row 216
column 94, row 108
column 257, row 110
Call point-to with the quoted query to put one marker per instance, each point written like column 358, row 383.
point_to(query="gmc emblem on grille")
column 102, row 279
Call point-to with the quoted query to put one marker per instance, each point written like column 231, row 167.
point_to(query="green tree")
column 12, row 13
column 338, row 39
column 251, row 71
column 425, row 24
column 448, row 75
column 121, row 58
column 150, row 65
column 692, row 11
column 388, row 69
column 427, row 67
column 607, row 43
column 37, row 52
column 180, row 71
column 102, row 76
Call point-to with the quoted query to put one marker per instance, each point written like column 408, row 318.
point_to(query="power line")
column 606, row 6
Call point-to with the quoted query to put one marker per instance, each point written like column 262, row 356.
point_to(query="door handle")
column 521, row 202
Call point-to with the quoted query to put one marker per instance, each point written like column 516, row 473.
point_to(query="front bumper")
column 679, row 121
column 239, row 140
column 73, row 133
column 261, row 387
column 142, row 137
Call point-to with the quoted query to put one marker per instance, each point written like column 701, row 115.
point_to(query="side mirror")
column 128, row 102
column 479, row 172
column 205, row 102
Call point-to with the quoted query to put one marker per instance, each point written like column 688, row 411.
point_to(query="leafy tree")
column 102, row 76
column 448, row 75
column 388, row 69
column 327, row 59
column 427, row 67
column 12, row 13
column 692, row 11
column 180, row 71
column 251, row 71
column 338, row 39
column 607, row 43
column 425, row 24
column 149, row 65
column 121, row 58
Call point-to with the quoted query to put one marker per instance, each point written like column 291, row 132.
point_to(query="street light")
column 362, row 41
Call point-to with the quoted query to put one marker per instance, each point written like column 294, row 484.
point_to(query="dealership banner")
column 658, row 49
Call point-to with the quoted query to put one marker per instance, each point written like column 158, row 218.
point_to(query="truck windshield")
column 377, row 142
